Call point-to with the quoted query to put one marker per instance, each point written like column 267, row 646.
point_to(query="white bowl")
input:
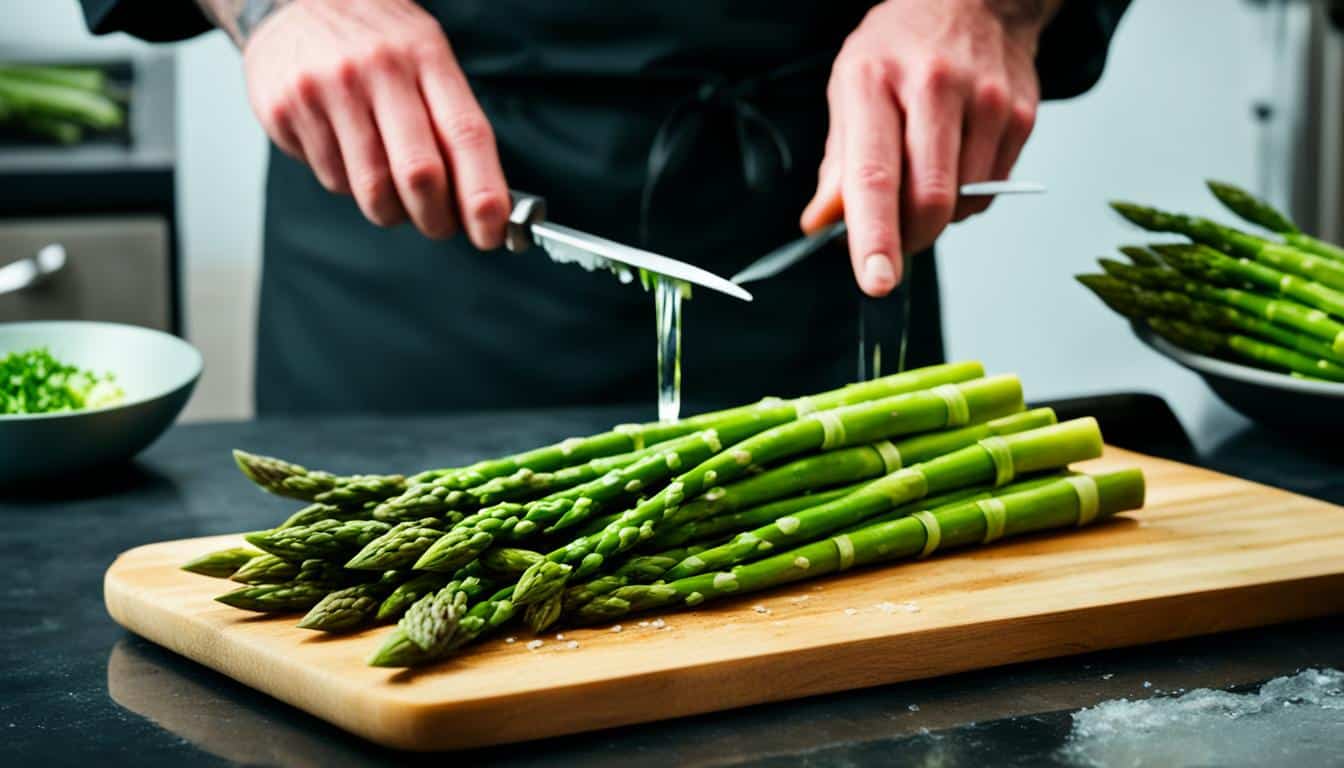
column 157, row 371
column 1270, row 398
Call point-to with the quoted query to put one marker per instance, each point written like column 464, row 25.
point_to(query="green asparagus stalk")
column 1253, row 250
column 289, row 597
column 849, row 464
column 627, row 444
column 353, row 607
column 478, row 532
column 325, row 539
column 1261, row 353
column 317, row 512
column 646, row 569
column 1205, row 263
column 994, row 460
column 83, row 78
column 400, row 547
column 1304, row 319
column 1139, row 304
column 266, row 569
column 399, row 651
column 44, row 99
column 1142, row 257
column 699, row 529
column 223, row 563
column 938, row 408
column 284, row 478
column 1066, row 502
column 404, row 596
column 1257, row 211
column 509, row 561
column 315, row 578
column 633, row 437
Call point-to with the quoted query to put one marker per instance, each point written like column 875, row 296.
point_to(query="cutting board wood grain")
column 1209, row 553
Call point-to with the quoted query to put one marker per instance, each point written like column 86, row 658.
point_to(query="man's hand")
column 370, row 96
column 923, row 97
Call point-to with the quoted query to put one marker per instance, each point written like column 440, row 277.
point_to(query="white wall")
column 1172, row 109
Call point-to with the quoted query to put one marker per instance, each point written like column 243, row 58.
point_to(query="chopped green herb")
column 35, row 382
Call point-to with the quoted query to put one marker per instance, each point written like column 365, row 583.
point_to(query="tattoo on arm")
column 240, row 18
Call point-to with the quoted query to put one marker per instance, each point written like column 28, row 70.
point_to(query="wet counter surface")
column 77, row 688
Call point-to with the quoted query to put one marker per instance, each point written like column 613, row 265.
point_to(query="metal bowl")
column 157, row 371
column 1273, row 399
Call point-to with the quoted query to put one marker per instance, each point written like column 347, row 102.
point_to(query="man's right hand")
column 370, row 96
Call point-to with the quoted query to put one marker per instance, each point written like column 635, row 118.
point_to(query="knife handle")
column 527, row 210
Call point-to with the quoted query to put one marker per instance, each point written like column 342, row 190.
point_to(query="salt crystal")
column 659, row 623
column 1147, row 684
column 1108, row 676
column 850, row 611
column 913, row 707
column 617, row 628
column 510, row 639
column 886, row 607
column 560, row 636
column 534, row 645
column 910, row 607
column 643, row 623
column 572, row 644
column 760, row 609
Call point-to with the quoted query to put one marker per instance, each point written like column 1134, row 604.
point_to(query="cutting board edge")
column 504, row 719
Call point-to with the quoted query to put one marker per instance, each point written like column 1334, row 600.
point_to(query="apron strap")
column 757, row 136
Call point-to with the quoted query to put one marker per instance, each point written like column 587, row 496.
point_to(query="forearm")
column 239, row 18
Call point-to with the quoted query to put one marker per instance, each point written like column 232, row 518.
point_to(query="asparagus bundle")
column 57, row 103
column 1272, row 303
column 639, row 517
column 1071, row 501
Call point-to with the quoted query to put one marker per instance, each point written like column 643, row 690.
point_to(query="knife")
column 528, row 227
column 793, row 252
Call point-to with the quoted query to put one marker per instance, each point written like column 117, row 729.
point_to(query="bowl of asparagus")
column 78, row 395
column 1259, row 316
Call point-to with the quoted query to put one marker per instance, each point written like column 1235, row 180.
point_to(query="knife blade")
column 528, row 226
column 793, row 252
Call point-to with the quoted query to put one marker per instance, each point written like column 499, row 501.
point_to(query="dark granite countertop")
column 77, row 688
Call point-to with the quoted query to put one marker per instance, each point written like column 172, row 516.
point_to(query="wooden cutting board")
column 1209, row 553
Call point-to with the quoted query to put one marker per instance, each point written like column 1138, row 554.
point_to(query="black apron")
column 694, row 129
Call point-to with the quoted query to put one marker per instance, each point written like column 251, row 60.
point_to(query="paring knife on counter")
column 528, row 227
column 791, row 253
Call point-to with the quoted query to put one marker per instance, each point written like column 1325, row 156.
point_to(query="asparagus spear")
column 633, row 437
column 1257, row 211
column 994, row 460
column 1205, row 263
column 1142, row 257
column 352, row 607
column 399, row 651
column 840, row 466
column 325, row 539
column 451, row 489
column 314, row 580
column 400, row 547
column 1138, row 304
column 404, row 596
column 266, row 569
column 82, row 78
column 223, row 563
column 31, row 97
column 317, row 512
column 479, row 531
column 640, row 569
column 731, row 522
column 284, row 478
column 1291, row 314
column 1073, row 501
column 941, row 407
column 1250, row 248
column 1264, row 354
